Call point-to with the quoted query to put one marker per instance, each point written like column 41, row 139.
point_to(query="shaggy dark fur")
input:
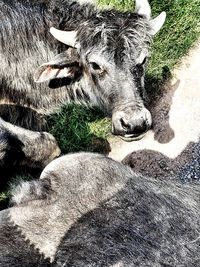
column 88, row 210
column 25, row 33
column 106, row 70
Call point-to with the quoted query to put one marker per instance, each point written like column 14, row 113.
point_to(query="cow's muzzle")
column 131, row 125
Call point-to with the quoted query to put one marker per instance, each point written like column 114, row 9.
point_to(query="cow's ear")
column 64, row 65
column 156, row 23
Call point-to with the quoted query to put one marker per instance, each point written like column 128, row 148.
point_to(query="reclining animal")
column 89, row 210
column 98, row 58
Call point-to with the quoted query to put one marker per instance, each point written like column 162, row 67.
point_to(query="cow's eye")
column 95, row 66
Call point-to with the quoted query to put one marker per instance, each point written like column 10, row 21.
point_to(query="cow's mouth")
column 132, row 137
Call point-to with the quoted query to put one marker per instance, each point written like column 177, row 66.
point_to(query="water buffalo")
column 98, row 58
column 88, row 210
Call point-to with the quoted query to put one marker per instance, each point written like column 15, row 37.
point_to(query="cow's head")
column 112, row 50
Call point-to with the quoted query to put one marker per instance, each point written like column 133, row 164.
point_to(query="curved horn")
column 143, row 8
column 157, row 23
column 65, row 37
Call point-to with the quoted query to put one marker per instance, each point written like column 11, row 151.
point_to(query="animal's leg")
column 19, row 146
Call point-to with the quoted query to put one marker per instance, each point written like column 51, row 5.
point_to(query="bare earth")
column 176, row 125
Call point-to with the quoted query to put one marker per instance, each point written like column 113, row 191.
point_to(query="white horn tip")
column 143, row 8
column 163, row 15
column 66, row 37
column 157, row 23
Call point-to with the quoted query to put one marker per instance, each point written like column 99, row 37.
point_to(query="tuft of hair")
column 31, row 191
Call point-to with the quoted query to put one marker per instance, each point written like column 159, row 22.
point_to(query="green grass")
column 122, row 5
column 79, row 128
column 3, row 196
column 7, row 189
column 180, row 31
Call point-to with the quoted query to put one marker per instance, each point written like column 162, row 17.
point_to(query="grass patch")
column 78, row 128
column 180, row 31
column 6, row 191
column 3, row 196
column 122, row 5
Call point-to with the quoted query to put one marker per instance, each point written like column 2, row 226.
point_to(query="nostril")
column 126, row 126
column 140, row 129
column 136, row 129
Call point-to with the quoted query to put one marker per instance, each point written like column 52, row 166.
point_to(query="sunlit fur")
column 119, row 40
column 26, row 43
column 88, row 210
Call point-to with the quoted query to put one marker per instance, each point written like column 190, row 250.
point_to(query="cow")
column 89, row 210
column 93, row 55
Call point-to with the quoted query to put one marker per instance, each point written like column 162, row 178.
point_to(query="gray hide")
column 104, row 66
column 88, row 210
